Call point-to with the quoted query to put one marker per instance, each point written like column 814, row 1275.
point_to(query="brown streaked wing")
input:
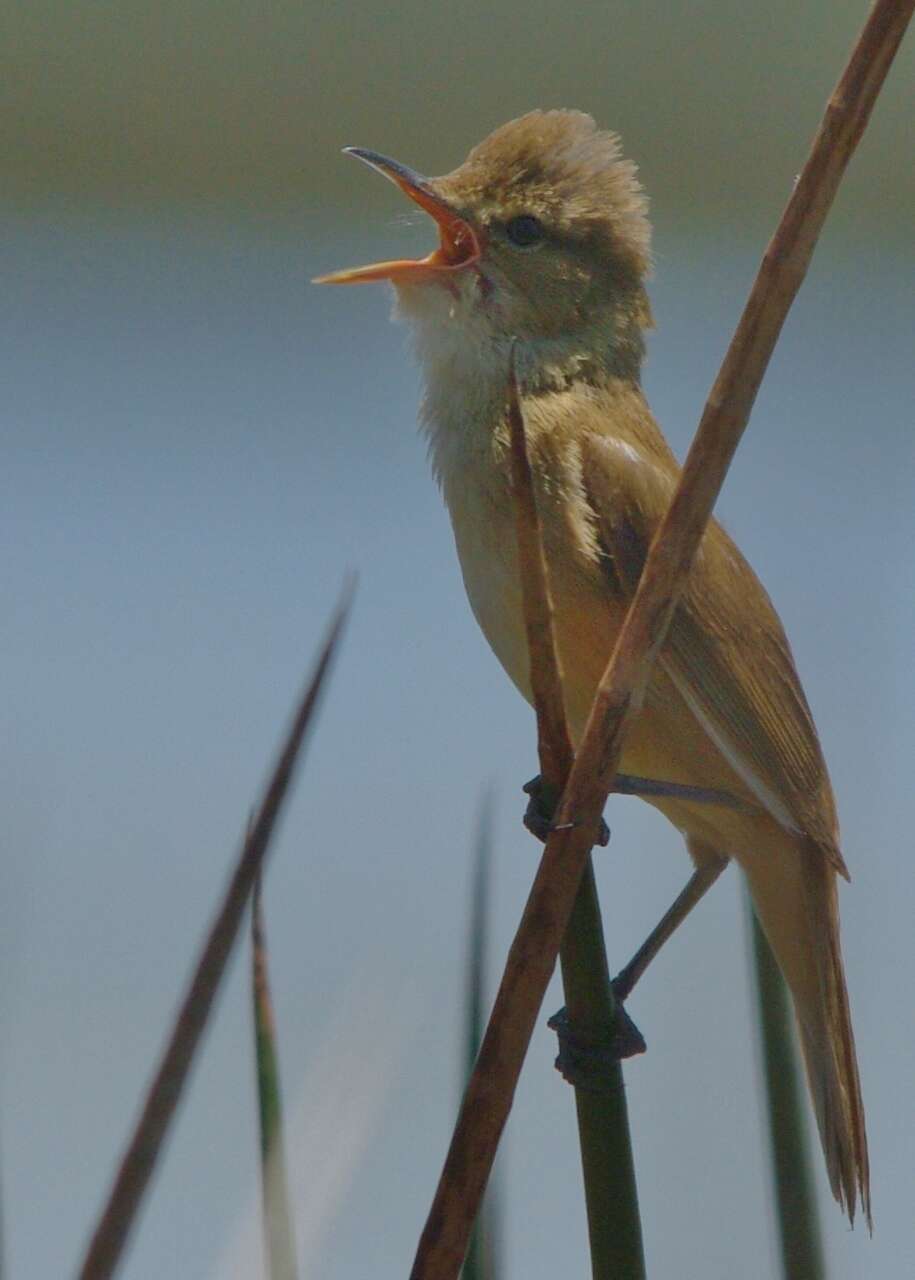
column 726, row 650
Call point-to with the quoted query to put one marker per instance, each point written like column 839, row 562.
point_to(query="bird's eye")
column 524, row 230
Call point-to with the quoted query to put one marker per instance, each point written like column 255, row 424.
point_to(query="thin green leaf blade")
column 279, row 1240
column 793, row 1184
column 483, row 1254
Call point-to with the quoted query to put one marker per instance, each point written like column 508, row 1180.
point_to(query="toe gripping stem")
column 586, row 1065
column 541, row 808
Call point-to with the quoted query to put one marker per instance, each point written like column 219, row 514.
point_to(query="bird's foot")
column 586, row 1064
column 541, row 809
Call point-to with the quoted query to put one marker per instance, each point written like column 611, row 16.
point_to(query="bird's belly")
column 586, row 618
column 489, row 566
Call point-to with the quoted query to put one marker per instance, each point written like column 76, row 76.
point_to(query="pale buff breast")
column 586, row 618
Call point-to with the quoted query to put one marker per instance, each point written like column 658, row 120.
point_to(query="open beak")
column 458, row 247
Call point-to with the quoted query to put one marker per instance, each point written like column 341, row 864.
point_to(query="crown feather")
column 559, row 164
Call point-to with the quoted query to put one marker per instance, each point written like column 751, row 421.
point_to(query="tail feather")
column 828, row 1045
column 797, row 905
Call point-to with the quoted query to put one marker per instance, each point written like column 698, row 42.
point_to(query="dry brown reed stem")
column 110, row 1236
column 532, row 957
column 554, row 743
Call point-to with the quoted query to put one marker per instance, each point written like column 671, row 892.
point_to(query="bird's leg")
column 585, row 1064
column 698, row 885
column 628, row 784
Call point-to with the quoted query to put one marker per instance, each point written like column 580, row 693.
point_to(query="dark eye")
column 524, row 230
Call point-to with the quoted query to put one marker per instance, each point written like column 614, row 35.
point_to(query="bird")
column 542, row 265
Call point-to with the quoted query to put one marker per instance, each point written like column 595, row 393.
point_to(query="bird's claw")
column 541, row 808
column 585, row 1064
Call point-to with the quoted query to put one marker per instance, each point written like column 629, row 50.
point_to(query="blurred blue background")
column 197, row 445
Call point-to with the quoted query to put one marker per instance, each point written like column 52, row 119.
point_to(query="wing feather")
column 726, row 650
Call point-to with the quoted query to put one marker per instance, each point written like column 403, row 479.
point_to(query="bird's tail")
column 794, row 893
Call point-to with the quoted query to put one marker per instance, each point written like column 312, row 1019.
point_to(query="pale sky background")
column 197, row 445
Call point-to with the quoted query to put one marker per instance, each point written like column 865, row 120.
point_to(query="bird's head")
column 543, row 234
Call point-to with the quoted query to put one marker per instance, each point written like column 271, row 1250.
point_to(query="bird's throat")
column 465, row 363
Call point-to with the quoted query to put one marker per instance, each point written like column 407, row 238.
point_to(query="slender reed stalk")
column 483, row 1254
column 611, row 1197
column 3, row 1270
column 792, row 1171
column 279, row 1239
column 532, row 957
column 119, row 1213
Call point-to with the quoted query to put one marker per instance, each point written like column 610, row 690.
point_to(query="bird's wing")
column 726, row 651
